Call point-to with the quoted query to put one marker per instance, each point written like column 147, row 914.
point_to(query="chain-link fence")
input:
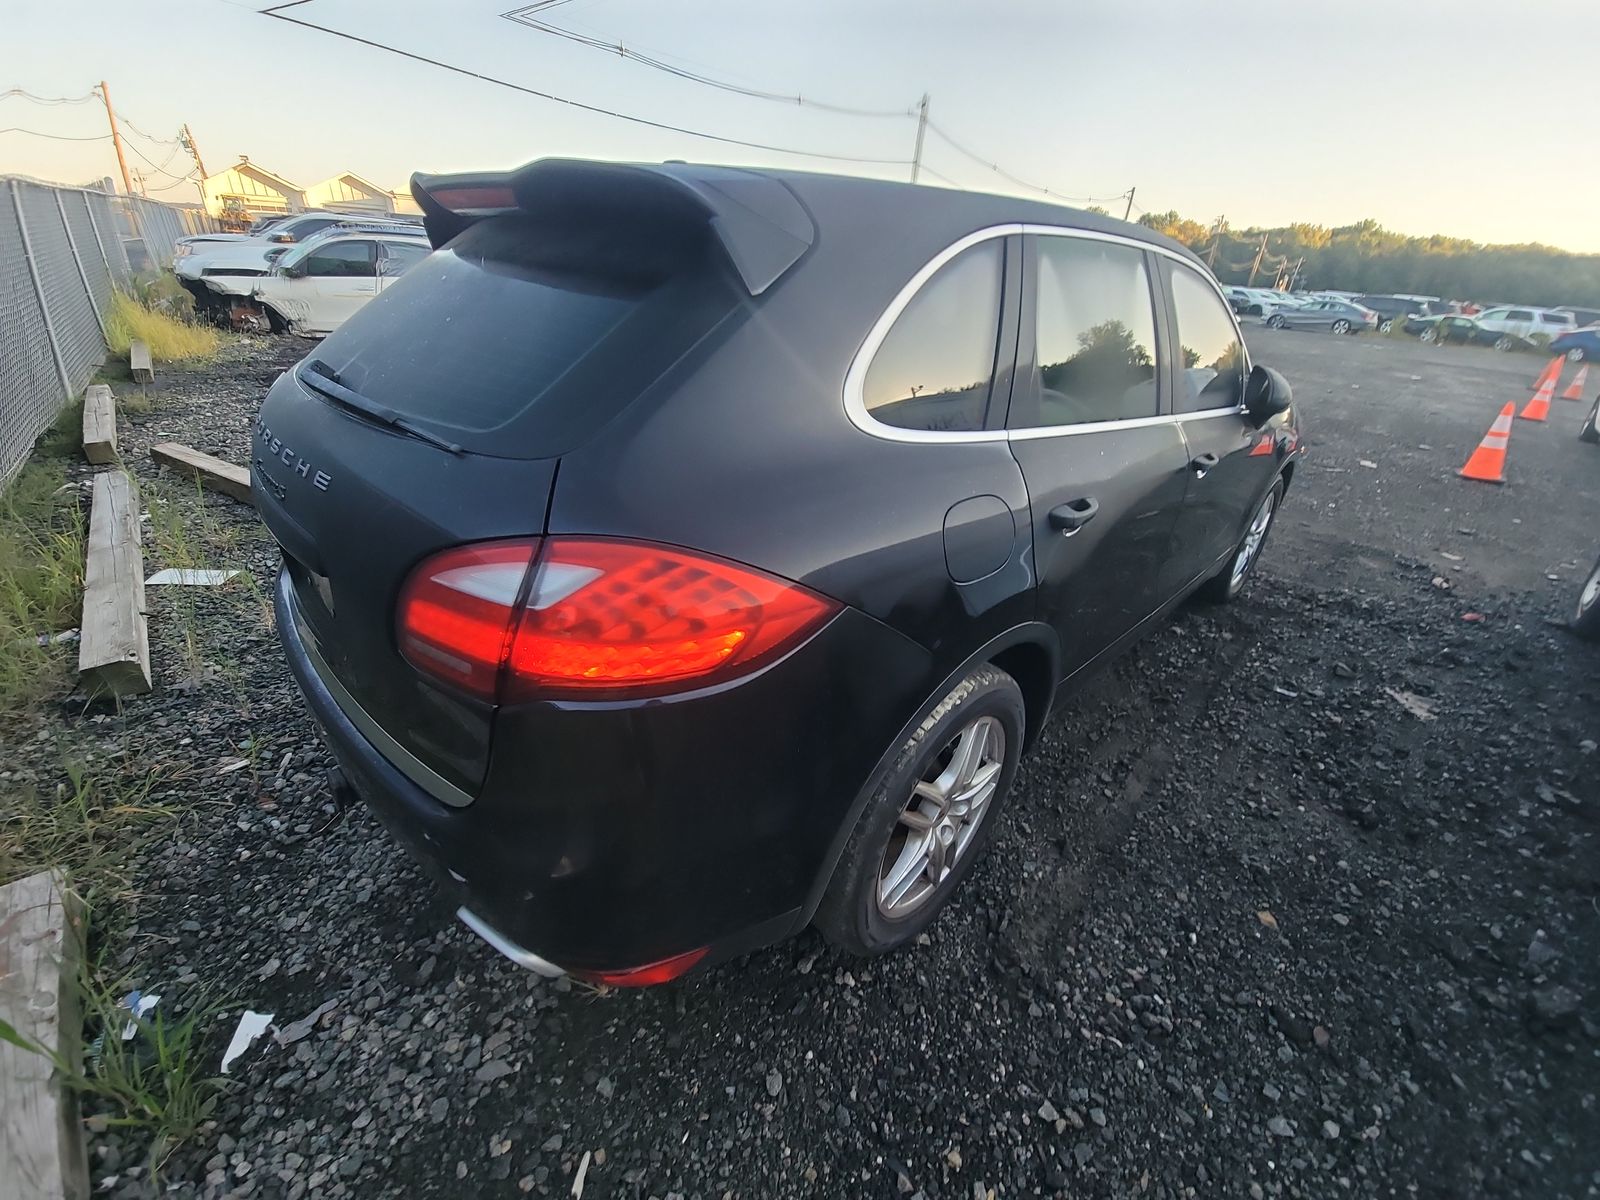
column 63, row 252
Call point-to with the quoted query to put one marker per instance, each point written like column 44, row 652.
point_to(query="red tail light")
column 648, row 975
column 518, row 619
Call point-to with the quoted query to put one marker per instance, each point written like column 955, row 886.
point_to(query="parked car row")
column 305, row 273
column 1507, row 328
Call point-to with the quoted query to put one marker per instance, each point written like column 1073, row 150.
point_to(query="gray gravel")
column 1250, row 928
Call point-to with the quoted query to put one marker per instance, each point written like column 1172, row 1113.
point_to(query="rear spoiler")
column 759, row 223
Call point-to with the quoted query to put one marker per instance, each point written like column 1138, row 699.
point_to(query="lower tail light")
column 520, row 619
column 648, row 975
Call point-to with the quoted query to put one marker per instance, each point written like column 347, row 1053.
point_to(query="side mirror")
column 1266, row 394
column 283, row 237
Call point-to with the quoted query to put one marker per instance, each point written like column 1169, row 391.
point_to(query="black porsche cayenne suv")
column 681, row 554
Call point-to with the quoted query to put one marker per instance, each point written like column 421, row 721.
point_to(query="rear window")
column 519, row 339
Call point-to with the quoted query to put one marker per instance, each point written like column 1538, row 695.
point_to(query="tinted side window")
column 398, row 259
column 1519, row 314
column 1212, row 366
column 342, row 258
column 1095, row 336
column 933, row 370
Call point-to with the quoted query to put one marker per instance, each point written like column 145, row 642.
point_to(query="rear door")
column 1229, row 462
column 336, row 279
column 396, row 258
column 1104, row 464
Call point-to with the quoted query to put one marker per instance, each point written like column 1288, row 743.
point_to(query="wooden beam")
column 41, row 1138
column 114, row 645
column 139, row 363
column 212, row 472
column 99, row 425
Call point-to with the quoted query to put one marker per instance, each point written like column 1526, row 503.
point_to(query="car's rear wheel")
column 1429, row 335
column 1590, row 431
column 1504, row 343
column 1575, row 354
column 1276, row 321
column 1586, row 619
column 1341, row 326
column 1229, row 582
column 926, row 823
column 1386, row 326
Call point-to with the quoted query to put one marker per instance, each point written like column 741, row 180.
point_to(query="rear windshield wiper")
column 323, row 379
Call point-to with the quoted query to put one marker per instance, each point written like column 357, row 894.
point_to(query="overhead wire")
column 58, row 137
column 937, row 131
column 87, row 98
column 172, row 141
column 277, row 14
column 523, row 16
column 162, row 169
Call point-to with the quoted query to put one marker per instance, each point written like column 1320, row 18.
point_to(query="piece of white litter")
column 1451, row 557
column 251, row 1026
column 229, row 765
column 1414, row 704
column 138, row 1005
column 190, row 577
column 1368, row 463
column 583, row 1170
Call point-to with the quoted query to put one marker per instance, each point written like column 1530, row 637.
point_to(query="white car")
column 1522, row 324
column 1257, row 302
column 315, row 287
column 186, row 250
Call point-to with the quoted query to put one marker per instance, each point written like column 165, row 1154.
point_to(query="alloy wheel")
column 1503, row 344
column 941, row 817
column 1575, row 354
column 1590, row 593
column 1341, row 326
column 1385, row 326
column 1253, row 538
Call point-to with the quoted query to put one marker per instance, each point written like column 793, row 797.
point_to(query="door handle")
column 1074, row 514
column 1203, row 463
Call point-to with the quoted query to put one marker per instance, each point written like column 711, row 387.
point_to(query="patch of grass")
column 42, row 534
column 170, row 338
column 159, row 1080
column 86, row 826
column 64, row 438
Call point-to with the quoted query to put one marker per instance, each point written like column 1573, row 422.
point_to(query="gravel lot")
column 1302, row 898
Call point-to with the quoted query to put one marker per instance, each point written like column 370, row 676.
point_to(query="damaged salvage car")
column 682, row 555
column 315, row 287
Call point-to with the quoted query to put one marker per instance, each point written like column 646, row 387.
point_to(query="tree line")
column 1365, row 257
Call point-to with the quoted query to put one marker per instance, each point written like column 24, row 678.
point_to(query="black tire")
column 1575, row 354
column 850, row 915
column 1341, row 326
column 1586, row 617
column 1253, row 310
column 1226, row 584
column 1276, row 321
column 1504, row 343
column 1590, row 432
column 1386, row 325
column 1429, row 335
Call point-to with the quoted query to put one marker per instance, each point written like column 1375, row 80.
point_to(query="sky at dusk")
column 1432, row 117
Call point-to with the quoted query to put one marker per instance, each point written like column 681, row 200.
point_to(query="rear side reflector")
column 471, row 199
column 648, row 975
column 596, row 616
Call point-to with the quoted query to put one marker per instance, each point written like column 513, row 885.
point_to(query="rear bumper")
column 612, row 834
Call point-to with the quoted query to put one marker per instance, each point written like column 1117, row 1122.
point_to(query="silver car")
column 1335, row 316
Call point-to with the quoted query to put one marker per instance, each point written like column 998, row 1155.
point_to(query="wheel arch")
column 1032, row 648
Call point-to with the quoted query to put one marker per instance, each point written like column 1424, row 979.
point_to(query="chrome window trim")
column 855, row 405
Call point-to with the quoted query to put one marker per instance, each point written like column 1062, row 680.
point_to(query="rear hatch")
column 437, row 416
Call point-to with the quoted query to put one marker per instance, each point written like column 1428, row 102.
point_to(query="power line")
column 277, row 13
column 162, row 169
column 189, row 178
column 930, row 171
column 151, row 137
column 57, row 137
column 524, row 16
column 1007, row 175
column 25, row 94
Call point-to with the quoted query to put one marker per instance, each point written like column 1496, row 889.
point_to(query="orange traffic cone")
column 1538, row 409
column 1488, row 461
column 1575, row 388
column 1552, row 369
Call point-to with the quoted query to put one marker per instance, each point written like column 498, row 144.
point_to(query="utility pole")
column 1256, row 265
column 1216, row 242
column 1127, row 213
column 116, row 138
column 187, row 139
column 922, row 129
